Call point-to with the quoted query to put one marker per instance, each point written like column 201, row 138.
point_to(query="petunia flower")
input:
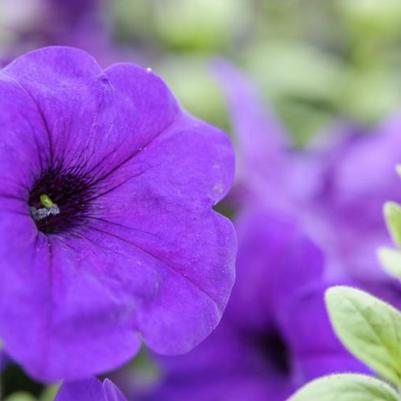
column 337, row 185
column 275, row 335
column 37, row 23
column 80, row 24
column 108, row 233
column 89, row 390
column 3, row 360
column 358, row 176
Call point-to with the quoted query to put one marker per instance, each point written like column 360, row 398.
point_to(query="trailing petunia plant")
column 370, row 329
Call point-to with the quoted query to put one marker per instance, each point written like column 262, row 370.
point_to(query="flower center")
column 49, row 209
column 275, row 350
column 59, row 201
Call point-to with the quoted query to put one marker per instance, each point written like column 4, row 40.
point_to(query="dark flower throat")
column 58, row 201
column 275, row 350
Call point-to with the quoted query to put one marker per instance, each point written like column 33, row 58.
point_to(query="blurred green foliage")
column 313, row 60
column 21, row 397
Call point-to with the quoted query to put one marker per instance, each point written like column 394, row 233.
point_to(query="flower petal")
column 191, row 258
column 84, row 390
column 260, row 139
column 23, row 143
column 176, row 181
column 360, row 174
column 315, row 348
column 95, row 120
column 234, row 388
column 68, row 315
column 275, row 261
column 111, row 392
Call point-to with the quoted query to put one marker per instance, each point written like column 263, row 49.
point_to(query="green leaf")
column 346, row 387
column 49, row 394
column 391, row 261
column 369, row 328
column 392, row 214
column 21, row 397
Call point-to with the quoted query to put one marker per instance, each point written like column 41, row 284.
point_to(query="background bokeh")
column 314, row 61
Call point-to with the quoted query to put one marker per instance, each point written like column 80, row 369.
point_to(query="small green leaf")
column 369, row 328
column 49, row 394
column 391, row 261
column 21, row 397
column 346, row 387
column 392, row 214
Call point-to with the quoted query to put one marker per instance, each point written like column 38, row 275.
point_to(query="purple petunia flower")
column 89, row 390
column 275, row 335
column 78, row 23
column 3, row 360
column 108, row 233
column 81, row 24
column 74, row 10
column 336, row 187
column 358, row 178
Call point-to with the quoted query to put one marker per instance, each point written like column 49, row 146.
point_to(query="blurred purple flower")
column 83, row 24
column 107, row 230
column 53, row 21
column 89, row 390
column 358, row 176
column 74, row 10
column 336, row 187
column 3, row 360
column 275, row 335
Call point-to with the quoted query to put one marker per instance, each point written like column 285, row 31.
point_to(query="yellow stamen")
column 46, row 201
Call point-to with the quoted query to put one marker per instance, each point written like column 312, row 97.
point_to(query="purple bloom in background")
column 89, row 390
column 74, row 11
column 3, row 360
column 57, row 21
column 359, row 175
column 82, row 24
column 295, row 209
column 275, row 335
column 336, row 187
column 108, row 233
